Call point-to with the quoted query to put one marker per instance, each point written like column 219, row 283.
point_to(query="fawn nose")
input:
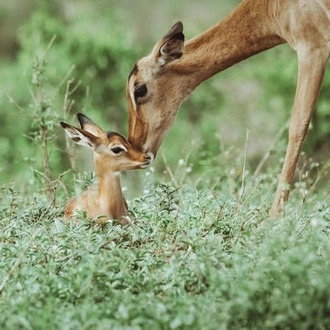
column 149, row 157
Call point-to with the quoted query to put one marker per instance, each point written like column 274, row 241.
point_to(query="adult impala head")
column 153, row 102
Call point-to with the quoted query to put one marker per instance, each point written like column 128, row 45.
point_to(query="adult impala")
column 160, row 81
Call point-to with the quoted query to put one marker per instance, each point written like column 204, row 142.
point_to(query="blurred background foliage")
column 60, row 57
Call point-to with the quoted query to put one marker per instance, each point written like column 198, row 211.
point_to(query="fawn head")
column 111, row 150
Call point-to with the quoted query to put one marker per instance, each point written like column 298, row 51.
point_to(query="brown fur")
column 254, row 26
column 112, row 154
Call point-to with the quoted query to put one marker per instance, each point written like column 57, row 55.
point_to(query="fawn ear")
column 80, row 136
column 88, row 125
column 171, row 46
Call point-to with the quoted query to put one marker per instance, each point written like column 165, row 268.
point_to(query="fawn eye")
column 117, row 150
column 140, row 91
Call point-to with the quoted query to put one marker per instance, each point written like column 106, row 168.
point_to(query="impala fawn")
column 112, row 154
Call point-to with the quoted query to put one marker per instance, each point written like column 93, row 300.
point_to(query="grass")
column 194, row 259
column 202, row 254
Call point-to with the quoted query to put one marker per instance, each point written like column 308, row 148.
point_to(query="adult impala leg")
column 311, row 68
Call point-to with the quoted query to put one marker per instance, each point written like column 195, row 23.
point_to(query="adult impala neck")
column 111, row 199
column 243, row 33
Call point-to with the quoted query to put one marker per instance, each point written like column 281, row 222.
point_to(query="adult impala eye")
column 140, row 91
column 117, row 150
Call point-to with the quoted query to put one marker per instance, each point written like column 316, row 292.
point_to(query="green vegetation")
column 202, row 253
column 194, row 259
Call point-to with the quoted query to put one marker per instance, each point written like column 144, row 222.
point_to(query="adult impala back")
column 160, row 81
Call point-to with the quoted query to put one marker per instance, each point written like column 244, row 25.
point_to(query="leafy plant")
column 212, row 257
column 202, row 252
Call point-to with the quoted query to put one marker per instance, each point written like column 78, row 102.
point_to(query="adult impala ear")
column 171, row 46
